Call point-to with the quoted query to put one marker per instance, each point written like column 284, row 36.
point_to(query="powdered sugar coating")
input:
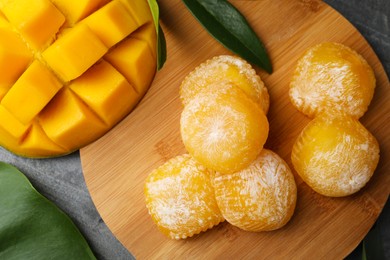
column 335, row 155
column 260, row 197
column 332, row 76
column 223, row 129
column 228, row 68
column 180, row 198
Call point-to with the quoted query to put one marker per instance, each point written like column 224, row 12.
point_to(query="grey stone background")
column 61, row 179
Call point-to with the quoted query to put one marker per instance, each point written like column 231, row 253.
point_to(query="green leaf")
column 161, row 43
column 31, row 227
column 373, row 245
column 228, row 26
column 364, row 255
column 161, row 48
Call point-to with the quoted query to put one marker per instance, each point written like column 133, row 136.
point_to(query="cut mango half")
column 71, row 70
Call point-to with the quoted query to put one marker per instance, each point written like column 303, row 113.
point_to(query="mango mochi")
column 332, row 76
column 223, row 128
column 225, row 68
column 335, row 155
column 180, row 198
column 71, row 70
column 261, row 197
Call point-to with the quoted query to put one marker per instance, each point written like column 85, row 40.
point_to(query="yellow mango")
column 68, row 58
column 139, row 10
column 11, row 125
column 9, row 142
column 68, row 122
column 38, row 143
column 75, row 10
column 38, row 21
column 14, row 58
column 3, row 21
column 147, row 33
column 112, row 23
column 110, row 103
column 34, row 89
column 71, row 70
column 135, row 61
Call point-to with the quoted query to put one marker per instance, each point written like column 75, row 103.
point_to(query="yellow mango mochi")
column 335, row 154
column 223, row 128
column 332, row 76
column 71, row 70
column 180, row 198
column 261, row 197
column 230, row 68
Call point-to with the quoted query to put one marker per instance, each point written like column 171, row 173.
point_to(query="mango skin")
column 68, row 84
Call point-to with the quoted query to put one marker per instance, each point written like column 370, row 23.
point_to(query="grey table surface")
column 61, row 179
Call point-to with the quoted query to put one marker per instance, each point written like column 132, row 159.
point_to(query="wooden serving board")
column 115, row 166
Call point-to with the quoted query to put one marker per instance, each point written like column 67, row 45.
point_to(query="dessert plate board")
column 115, row 167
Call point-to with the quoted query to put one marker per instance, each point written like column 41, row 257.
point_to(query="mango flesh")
column 71, row 70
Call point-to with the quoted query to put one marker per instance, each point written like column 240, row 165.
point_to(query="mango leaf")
column 161, row 42
column 31, row 227
column 373, row 245
column 228, row 26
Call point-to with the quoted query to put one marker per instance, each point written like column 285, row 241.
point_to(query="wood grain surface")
column 115, row 166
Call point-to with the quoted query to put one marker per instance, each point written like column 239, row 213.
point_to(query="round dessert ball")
column 180, row 198
column 229, row 68
column 261, row 197
column 332, row 76
column 335, row 155
column 223, row 129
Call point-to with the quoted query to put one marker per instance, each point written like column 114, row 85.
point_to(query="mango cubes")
column 71, row 70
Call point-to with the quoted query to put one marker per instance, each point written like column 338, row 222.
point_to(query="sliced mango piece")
column 37, row 144
column 139, row 10
column 3, row 21
column 112, row 23
column 31, row 93
column 70, row 123
column 72, row 54
column 38, row 21
column 11, row 125
column 14, row 58
column 10, row 143
column 3, row 90
column 75, row 10
column 106, row 91
column 147, row 33
column 133, row 58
